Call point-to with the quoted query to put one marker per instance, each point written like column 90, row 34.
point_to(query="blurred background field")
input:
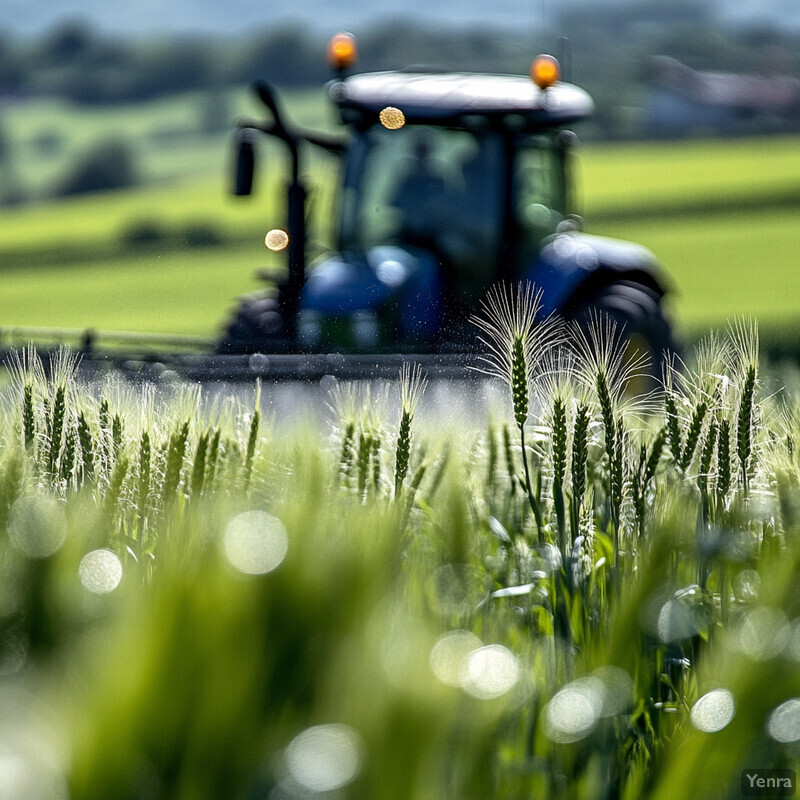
column 721, row 215
column 163, row 246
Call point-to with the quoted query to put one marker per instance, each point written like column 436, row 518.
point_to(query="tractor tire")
column 255, row 322
column 639, row 316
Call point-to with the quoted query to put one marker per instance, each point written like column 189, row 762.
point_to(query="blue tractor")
column 450, row 182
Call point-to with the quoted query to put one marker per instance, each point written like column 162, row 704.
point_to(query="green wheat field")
column 583, row 593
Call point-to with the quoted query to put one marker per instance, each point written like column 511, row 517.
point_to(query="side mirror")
column 245, row 164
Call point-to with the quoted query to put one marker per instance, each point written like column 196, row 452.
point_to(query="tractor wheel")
column 639, row 316
column 253, row 323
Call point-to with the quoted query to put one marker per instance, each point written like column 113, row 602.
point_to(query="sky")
column 236, row 16
column 233, row 16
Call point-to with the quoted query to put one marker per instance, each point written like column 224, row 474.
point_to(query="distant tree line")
column 80, row 64
column 611, row 51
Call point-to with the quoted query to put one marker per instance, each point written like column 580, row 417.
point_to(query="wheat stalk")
column 145, row 467
column 56, row 429
column 692, row 435
column 68, row 455
column 673, row 427
column 363, row 460
column 28, row 417
column 347, row 454
column 213, row 458
column 580, row 452
column 87, row 448
column 197, row 481
column 375, row 455
column 412, row 387
column 176, row 451
column 724, row 459
column 517, row 346
column 743, row 334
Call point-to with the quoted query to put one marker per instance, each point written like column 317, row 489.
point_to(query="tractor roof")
column 444, row 98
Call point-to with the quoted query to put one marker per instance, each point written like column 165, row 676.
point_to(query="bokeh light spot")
column 617, row 689
column 765, row 632
column 255, row 542
column 38, row 526
column 713, row 711
column 325, row 757
column 783, row 724
column 23, row 778
column 100, row 571
column 276, row 239
column 574, row 711
column 392, row 118
column 491, row 671
column 448, row 657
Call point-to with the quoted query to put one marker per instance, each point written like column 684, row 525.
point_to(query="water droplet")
column 713, row 711
column 783, row 724
column 392, row 118
column 258, row 362
column 276, row 239
column 574, row 711
column 448, row 658
column 255, row 542
column 325, row 757
column 38, row 526
column 491, row 671
column 100, row 571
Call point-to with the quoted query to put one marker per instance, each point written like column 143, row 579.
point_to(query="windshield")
column 427, row 186
column 539, row 192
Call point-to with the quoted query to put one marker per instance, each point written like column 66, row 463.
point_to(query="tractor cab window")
column 539, row 192
column 429, row 187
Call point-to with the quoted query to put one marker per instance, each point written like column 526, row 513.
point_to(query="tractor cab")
column 450, row 182
column 470, row 168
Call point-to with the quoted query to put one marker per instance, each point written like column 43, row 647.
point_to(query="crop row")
column 591, row 595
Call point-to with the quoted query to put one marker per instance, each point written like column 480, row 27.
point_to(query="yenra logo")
column 768, row 782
